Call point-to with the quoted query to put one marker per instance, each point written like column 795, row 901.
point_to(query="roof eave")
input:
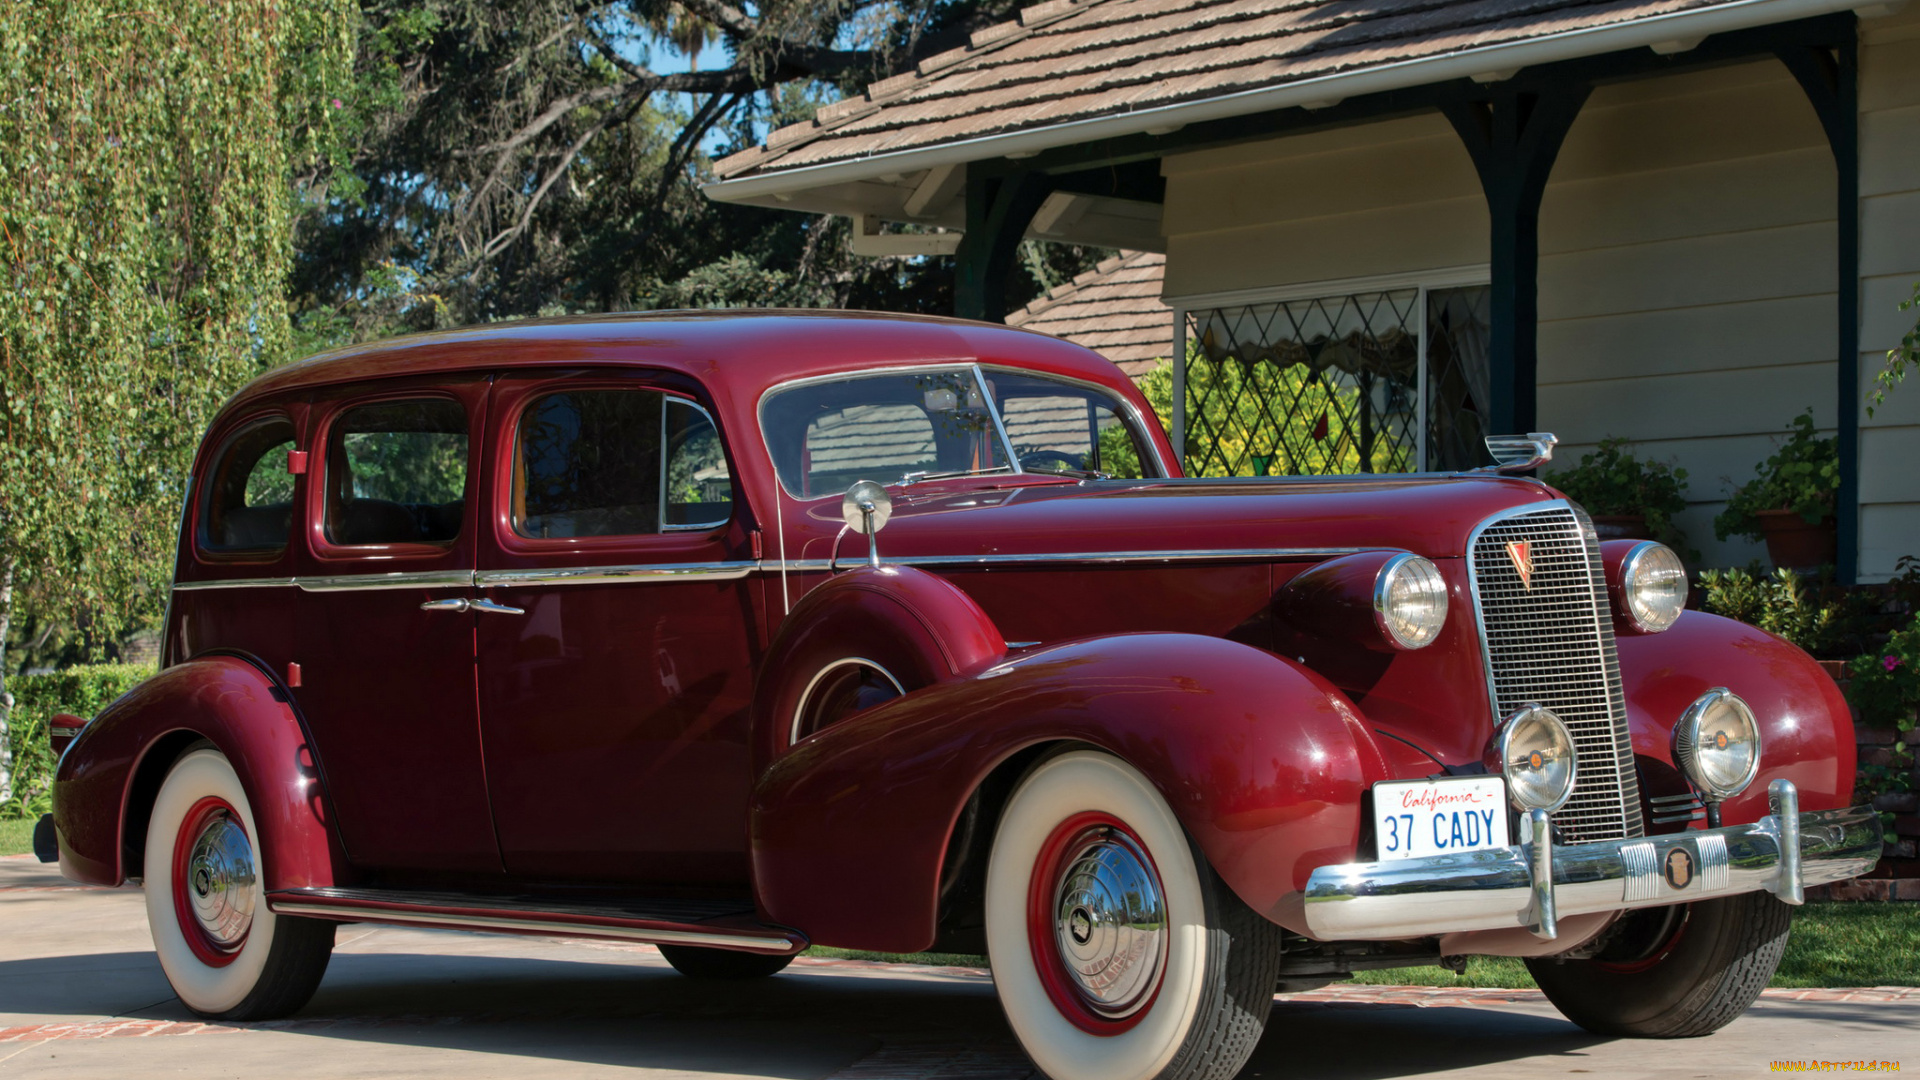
column 1400, row 75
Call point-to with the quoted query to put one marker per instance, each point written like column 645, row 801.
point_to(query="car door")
column 614, row 708
column 386, row 656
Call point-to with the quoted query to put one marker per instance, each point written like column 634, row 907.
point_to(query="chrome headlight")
column 1410, row 601
column 1653, row 586
column 1717, row 744
column 1534, row 752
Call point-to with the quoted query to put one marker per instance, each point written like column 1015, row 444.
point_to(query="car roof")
column 736, row 352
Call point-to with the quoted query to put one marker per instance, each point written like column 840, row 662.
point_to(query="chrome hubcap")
column 1111, row 923
column 220, row 883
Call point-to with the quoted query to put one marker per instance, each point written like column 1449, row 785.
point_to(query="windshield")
column 901, row 427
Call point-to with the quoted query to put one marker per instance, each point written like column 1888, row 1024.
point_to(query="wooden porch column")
column 1830, row 77
column 1513, row 135
column 1000, row 206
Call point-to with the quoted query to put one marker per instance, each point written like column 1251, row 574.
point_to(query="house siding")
column 1687, row 262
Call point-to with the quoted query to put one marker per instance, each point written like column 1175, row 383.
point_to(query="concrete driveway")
column 81, row 996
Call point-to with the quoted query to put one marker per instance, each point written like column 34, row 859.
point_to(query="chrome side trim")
column 432, row 579
column 236, row 583
column 1098, row 558
column 1494, row 888
column 568, row 929
column 614, row 575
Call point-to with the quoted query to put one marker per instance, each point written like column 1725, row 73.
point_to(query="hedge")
column 82, row 691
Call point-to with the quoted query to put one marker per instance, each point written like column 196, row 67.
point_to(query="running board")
column 720, row 924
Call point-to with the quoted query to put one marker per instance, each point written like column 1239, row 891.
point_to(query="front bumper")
column 1533, row 884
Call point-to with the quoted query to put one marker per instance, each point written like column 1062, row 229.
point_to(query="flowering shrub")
column 1886, row 681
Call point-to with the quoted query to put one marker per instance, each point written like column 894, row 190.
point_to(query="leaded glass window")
column 1384, row 381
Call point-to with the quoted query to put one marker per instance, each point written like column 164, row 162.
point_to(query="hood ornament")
column 1519, row 453
column 1520, row 552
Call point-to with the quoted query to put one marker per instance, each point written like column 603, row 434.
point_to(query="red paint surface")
column 231, row 704
column 1264, row 763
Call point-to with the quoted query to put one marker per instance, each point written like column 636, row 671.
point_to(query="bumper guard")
column 1534, row 883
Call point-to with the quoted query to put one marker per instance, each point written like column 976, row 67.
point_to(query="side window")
column 247, row 504
column 397, row 473
column 1059, row 428
column 617, row 463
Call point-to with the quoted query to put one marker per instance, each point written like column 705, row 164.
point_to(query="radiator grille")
column 1552, row 644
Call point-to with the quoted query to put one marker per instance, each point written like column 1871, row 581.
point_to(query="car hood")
column 1428, row 515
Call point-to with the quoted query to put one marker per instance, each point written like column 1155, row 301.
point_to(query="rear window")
column 247, row 504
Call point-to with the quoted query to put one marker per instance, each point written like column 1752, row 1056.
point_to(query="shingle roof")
column 1075, row 60
column 1113, row 309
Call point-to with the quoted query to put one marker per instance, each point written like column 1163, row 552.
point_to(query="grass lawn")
column 1832, row 945
column 16, row 837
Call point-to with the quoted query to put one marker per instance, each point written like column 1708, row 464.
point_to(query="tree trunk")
column 6, row 699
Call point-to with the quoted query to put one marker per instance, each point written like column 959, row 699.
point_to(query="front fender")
column 1264, row 762
column 1806, row 729
column 108, row 777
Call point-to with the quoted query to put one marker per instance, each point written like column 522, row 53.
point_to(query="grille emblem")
column 1521, row 552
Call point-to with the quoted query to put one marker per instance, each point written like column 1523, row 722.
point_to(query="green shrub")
column 1813, row 613
column 82, row 691
column 1802, row 477
column 1612, row 481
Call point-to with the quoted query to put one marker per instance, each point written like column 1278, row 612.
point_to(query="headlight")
column 1534, row 752
column 1717, row 744
column 1653, row 585
column 1410, row 601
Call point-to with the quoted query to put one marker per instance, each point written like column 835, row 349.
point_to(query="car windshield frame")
column 1123, row 410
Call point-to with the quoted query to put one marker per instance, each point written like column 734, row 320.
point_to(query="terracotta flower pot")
column 1622, row 527
column 1794, row 542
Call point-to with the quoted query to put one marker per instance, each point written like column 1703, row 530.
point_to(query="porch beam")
column 1513, row 137
column 1830, row 79
column 999, row 210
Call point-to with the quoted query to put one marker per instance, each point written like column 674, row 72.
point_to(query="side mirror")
column 866, row 507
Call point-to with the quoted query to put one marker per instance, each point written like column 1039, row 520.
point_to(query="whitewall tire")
column 1117, row 953
column 225, row 953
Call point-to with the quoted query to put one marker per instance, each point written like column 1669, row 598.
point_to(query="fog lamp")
column 1717, row 744
column 1410, row 601
column 1653, row 584
column 1534, row 752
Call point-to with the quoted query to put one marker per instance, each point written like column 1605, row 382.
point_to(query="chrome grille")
column 1552, row 644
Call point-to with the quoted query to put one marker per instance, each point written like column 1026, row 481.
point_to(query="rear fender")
column 107, row 779
column 1264, row 763
column 1806, row 729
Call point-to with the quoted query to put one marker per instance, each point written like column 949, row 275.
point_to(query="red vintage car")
column 735, row 633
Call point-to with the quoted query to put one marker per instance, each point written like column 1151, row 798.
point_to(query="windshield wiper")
column 915, row 477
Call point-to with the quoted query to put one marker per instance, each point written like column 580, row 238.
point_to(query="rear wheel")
column 224, row 952
column 1117, row 952
column 698, row 963
column 1673, row 972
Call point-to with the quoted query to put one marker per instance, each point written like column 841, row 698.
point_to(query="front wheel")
column 1673, row 972
column 1117, row 953
column 224, row 952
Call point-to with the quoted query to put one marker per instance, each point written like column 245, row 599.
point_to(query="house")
column 1678, row 221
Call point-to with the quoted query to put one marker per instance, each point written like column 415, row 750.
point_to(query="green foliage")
column 1229, row 425
column 144, row 210
column 1885, row 683
column 1898, row 358
column 1801, row 476
column 82, row 691
column 1613, row 481
column 1814, row 614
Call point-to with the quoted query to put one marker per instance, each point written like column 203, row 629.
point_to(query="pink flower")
column 337, row 104
column 1891, row 662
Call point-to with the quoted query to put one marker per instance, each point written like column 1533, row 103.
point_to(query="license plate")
column 1416, row 818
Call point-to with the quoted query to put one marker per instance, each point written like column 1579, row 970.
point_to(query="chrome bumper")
column 1499, row 888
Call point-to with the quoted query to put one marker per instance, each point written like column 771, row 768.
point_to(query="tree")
column 145, row 157
column 544, row 155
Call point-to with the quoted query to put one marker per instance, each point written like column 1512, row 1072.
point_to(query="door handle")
column 491, row 608
column 463, row 604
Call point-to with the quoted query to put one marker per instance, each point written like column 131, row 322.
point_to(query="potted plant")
column 1628, row 498
column 1789, row 503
